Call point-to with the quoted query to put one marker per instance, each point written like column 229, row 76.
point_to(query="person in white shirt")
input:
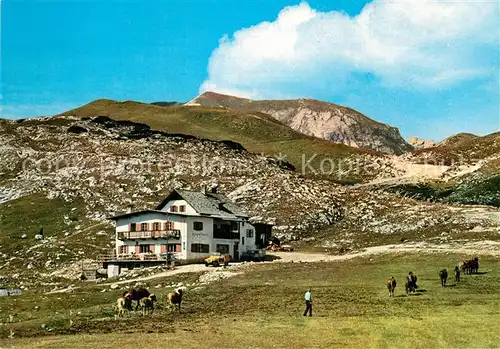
column 308, row 298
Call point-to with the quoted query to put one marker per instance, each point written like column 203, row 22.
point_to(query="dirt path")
column 478, row 248
column 491, row 248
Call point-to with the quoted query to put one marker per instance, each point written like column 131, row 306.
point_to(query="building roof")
column 137, row 213
column 211, row 204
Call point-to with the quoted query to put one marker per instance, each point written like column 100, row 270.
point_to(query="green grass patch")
column 263, row 308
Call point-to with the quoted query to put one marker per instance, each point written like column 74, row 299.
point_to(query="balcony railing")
column 138, row 257
column 156, row 234
column 226, row 234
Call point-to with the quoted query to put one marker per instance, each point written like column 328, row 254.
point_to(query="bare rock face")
column 419, row 143
column 319, row 119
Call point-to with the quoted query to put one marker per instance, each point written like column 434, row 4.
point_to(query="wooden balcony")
column 131, row 257
column 143, row 235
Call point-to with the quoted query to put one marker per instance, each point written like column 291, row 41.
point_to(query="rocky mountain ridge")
column 319, row 119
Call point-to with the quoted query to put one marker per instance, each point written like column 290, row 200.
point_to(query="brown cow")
column 123, row 303
column 175, row 298
column 136, row 295
column 391, row 285
column 147, row 304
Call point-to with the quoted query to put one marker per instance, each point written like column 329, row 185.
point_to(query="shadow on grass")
column 480, row 273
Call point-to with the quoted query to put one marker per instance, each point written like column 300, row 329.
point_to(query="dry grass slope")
column 257, row 132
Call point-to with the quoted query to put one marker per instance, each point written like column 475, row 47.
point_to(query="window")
column 249, row 233
column 144, row 249
column 133, row 227
column 182, row 208
column 198, row 225
column 243, row 240
column 174, row 248
column 173, row 208
column 222, row 249
column 122, row 249
column 168, row 225
column 156, row 226
column 144, row 226
column 200, row 248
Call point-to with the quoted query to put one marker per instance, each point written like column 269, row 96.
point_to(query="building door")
column 236, row 254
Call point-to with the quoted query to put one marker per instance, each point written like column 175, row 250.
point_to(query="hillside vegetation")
column 256, row 132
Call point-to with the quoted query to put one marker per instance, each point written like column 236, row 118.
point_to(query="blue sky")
column 404, row 65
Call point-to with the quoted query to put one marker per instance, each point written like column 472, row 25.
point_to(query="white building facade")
column 190, row 226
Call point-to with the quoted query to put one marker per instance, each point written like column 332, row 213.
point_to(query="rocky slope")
column 68, row 174
column 320, row 119
column 419, row 143
column 257, row 132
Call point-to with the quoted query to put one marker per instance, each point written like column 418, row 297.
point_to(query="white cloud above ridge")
column 411, row 43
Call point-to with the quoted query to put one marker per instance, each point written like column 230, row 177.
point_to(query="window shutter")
column 152, row 248
column 130, row 227
column 137, row 249
column 178, row 248
column 163, row 248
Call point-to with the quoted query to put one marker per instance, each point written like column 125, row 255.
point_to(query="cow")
column 123, row 303
column 175, row 298
column 443, row 275
column 391, row 285
column 457, row 274
column 136, row 295
column 411, row 283
column 147, row 304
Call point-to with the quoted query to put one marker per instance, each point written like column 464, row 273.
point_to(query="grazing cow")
column 123, row 303
column 391, row 285
column 147, row 304
column 474, row 265
column 137, row 295
column 469, row 266
column 175, row 298
column 411, row 283
column 443, row 275
column 457, row 274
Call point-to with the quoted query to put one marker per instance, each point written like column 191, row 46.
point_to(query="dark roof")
column 136, row 213
column 207, row 203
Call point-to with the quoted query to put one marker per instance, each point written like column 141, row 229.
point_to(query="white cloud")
column 412, row 43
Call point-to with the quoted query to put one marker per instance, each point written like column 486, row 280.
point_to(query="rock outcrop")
column 419, row 143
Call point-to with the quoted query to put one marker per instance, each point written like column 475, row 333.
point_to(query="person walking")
column 308, row 298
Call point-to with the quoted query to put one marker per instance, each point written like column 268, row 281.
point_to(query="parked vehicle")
column 217, row 260
column 253, row 255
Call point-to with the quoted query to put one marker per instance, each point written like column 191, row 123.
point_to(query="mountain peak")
column 316, row 118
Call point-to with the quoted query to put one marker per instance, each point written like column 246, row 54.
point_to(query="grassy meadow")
column 262, row 308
